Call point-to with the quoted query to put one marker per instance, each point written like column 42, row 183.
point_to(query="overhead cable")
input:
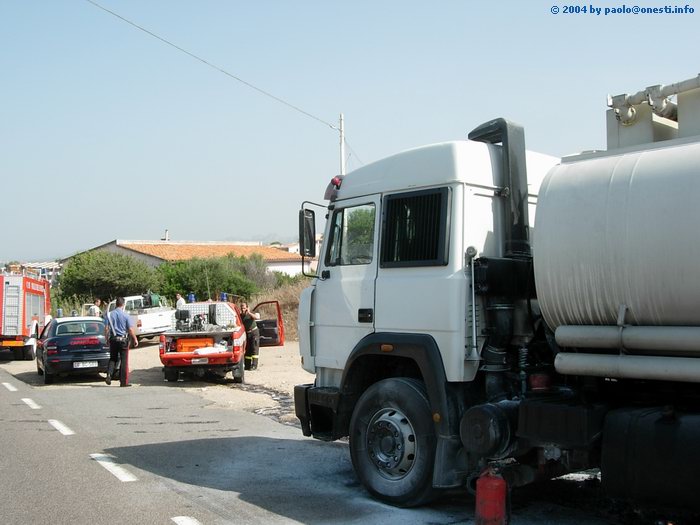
column 353, row 152
column 221, row 70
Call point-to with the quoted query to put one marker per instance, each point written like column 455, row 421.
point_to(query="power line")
column 353, row 152
column 213, row 66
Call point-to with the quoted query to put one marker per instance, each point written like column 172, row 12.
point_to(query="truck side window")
column 351, row 236
column 415, row 229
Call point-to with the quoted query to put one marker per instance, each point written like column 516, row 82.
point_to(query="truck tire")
column 170, row 373
column 28, row 352
column 238, row 373
column 392, row 442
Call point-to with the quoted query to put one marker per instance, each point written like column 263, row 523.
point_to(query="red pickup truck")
column 209, row 339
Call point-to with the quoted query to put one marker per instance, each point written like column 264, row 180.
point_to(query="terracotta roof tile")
column 182, row 251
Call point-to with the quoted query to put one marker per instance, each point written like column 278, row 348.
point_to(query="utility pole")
column 342, row 146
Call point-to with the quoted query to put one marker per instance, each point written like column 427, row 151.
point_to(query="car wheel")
column 239, row 373
column 170, row 373
column 29, row 352
column 38, row 368
column 48, row 378
column 392, row 442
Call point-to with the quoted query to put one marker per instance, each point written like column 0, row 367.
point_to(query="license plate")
column 13, row 343
column 200, row 360
column 85, row 364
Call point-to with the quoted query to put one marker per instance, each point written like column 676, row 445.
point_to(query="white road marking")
column 108, row 463
column 9, row 387
column 63, row 429
column 185, row 520
column 30, row 403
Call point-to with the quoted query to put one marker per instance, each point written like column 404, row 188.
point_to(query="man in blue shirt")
column 119, row 331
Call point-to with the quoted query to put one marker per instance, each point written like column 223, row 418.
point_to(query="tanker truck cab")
column 389, row 319
column 449, row 337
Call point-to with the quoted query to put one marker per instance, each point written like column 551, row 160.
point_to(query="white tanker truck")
column 447, row 336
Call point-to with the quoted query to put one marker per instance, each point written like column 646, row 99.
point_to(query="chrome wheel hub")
column 391, row 443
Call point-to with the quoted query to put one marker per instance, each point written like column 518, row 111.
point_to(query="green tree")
column 106, row 275
column 207, row 277
column 361, row 225
column 255, row 269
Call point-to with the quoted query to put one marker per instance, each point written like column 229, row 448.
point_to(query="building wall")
column 290, row 268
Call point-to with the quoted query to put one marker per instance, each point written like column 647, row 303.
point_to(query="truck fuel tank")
column 651, row 455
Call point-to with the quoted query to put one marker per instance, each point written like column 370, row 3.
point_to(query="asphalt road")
column 185, row 458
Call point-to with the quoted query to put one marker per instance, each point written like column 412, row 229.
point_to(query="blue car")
column 72, row 345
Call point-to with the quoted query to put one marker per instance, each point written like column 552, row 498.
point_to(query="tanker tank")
column 621, row 229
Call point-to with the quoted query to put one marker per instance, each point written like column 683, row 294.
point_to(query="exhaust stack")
column 512, row 136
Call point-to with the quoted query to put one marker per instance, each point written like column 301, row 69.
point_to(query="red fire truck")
column 25, row 307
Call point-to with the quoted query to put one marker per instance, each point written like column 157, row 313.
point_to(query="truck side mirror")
column 307, row 233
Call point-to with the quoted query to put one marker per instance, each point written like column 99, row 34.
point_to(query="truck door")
column 33, row 313
column 343, row 304
column 270, row 324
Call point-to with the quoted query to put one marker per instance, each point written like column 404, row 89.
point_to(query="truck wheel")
column 29, row 352
column 392, row 442
column 170, row 373
column 239, row 373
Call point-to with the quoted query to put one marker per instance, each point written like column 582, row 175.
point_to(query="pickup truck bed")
column 201, row 352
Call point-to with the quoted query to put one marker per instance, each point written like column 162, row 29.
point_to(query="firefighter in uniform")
column 252, row 348
column 120, row 330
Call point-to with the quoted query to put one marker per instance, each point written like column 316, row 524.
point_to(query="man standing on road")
column 180, row 301
column 252, row 347
column 119, row 330
column 95, row 310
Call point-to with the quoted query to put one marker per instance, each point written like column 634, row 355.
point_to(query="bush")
column 288, row 297
column 68, row 303
column 207, row 278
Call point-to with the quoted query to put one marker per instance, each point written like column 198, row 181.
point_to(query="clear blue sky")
column 108, row 133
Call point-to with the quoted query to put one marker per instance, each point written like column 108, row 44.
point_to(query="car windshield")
column 80, row 328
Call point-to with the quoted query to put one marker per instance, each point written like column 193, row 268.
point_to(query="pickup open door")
column 270, row 324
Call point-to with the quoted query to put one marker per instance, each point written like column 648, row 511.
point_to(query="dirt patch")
column 268, row 391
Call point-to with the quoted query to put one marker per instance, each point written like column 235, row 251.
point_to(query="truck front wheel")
column 392, row 442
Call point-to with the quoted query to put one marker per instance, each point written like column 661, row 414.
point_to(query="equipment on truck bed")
column 209, row 339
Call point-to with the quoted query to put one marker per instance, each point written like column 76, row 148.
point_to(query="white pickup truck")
column 151, row 314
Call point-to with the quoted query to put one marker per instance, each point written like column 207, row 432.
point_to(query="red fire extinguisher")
column 491, row 499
